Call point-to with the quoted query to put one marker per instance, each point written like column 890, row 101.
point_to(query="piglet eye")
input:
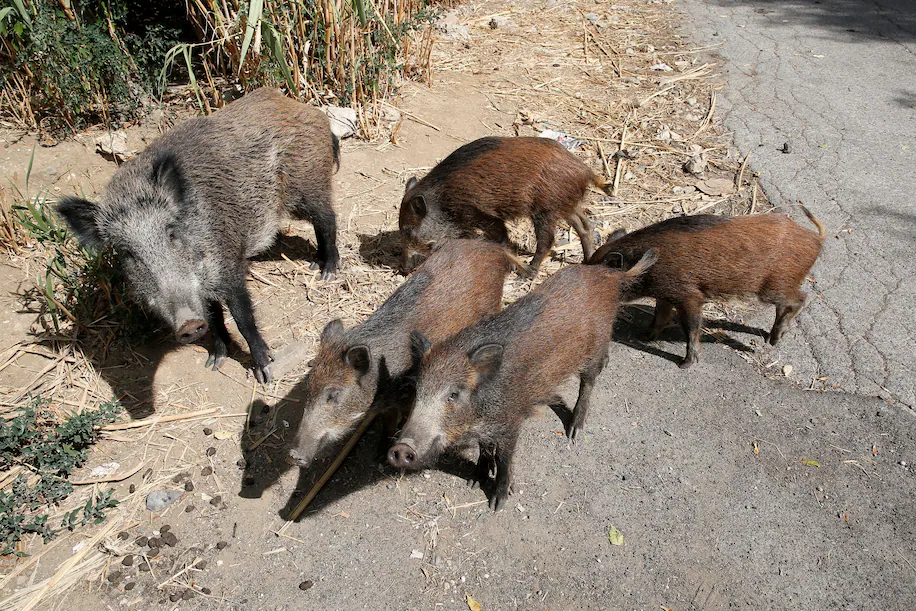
column 453, row 396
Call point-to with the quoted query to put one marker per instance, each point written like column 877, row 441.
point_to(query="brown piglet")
column 705, row 257
column 480, row 385
column 491, row 180
column 363, row 369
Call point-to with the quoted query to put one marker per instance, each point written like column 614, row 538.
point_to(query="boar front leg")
column 485, row 464
column 242, row 311
column 505, row 449
column 220, row 335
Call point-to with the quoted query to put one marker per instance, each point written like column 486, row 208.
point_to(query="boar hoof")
column 773, row 338
column 574, row 433
column 263, row 374
column 215, row 361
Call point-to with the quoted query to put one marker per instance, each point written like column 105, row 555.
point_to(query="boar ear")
column 167, row 174
column 411, row 183
column 419, row 346
column 486, row 360
column 79, row 214
column 359, row 358
column 332, row 331
column 418, row 205
column 616, row 235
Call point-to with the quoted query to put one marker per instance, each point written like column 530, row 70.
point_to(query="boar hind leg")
column 486, row 463
column 587, row 377
column 505, row 448
column 545, row 231
column 242, row 311
column 664, row 310
column 495, row 230
column 586, row 231
column 691, row 320
column 220, row 336
column 786, row 311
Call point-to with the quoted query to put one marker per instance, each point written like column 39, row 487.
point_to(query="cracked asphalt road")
column 837, row 82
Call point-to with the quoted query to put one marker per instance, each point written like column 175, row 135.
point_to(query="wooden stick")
column 741, row 171
column 413, row 116
column 327, row 474
column 620, row 161
column 157, row 420
column 607, row 169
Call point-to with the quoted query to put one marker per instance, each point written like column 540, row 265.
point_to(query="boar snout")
column 301, row 459
column 402, row 456
column 191, row 331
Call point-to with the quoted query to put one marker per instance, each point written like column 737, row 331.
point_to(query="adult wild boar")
column 186, row 215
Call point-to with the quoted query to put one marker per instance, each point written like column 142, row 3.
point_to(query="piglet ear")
column 418, row 205
column 80, row 215
column 618, row 233
column 411, row 183
column 334, row 330
column 359, row 358
column 487, row 360
column 419, row 346
column 167, row 174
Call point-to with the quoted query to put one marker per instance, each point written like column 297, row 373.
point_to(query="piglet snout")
column 191, row 331
column 402, row 456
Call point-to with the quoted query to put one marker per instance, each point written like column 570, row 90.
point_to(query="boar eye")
column 453, row 396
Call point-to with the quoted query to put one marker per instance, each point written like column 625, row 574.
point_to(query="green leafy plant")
column 49, row 452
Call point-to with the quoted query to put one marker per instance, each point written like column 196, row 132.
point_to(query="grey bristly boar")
column 491, row 180
column 186, row 215
column 355, row 371
column 481, row 384
column 706, row 257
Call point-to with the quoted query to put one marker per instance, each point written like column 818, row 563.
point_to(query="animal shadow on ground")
column 364, row 467
column 381, row 249
column 633, row 323
column 129, row 363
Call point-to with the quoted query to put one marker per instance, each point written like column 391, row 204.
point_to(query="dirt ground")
column 708, row 474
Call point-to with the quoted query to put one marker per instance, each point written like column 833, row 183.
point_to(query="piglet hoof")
column 263, row 374
column 314, row 265
column 527, row 272
column 773, row 338
column 500, row 498
column 688, row 362
column 575, row 433
column 329, row 271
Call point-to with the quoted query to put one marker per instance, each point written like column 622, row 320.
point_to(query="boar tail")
column 335, row 144
column 822, row 233
column 522, row 268
column 647, row 261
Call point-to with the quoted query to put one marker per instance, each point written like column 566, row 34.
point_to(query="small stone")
column 154, row 542
column 144, row 567
column 222, row 545
column 205, row 591
column 164, row 528
column 160, row 499
column 189, row 509
column 142, row 541
column 306, row 585
column 130, row 585
column 215, row 501
column 114, row 576
column 128, row 560
column 132, row 488
column 208, row 431
column 206, row 470
column 188, row 595
column 175, row 597
column 153, row 552
column 189, row 486
column 211, row 451
column 147, row 473
column 123, row 535
column 201, row 564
